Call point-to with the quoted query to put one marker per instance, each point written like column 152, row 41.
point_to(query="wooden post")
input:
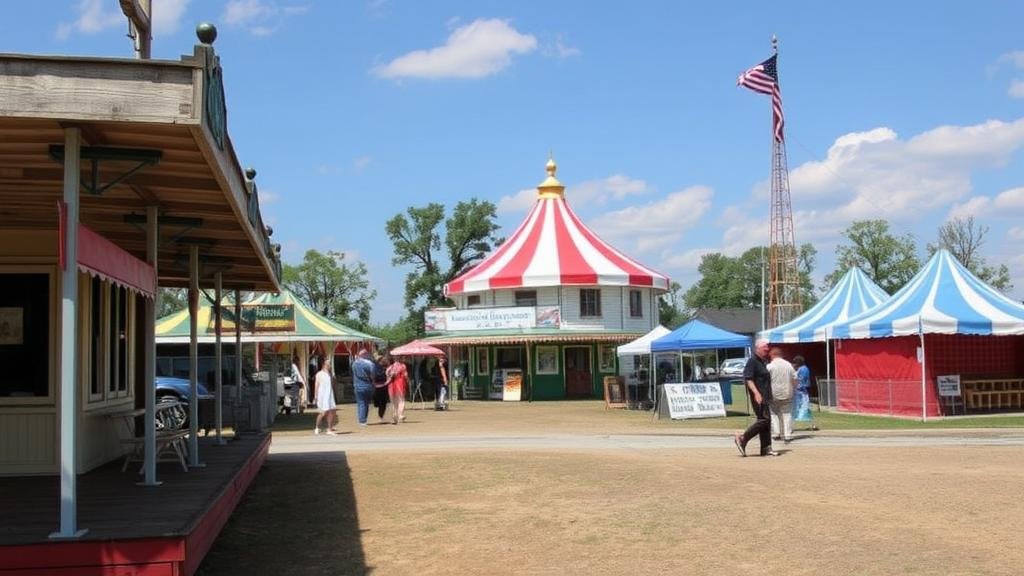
column 68, row 400
column 152, row 305
column 238, row 354
column 193, row 356
column 219, row 379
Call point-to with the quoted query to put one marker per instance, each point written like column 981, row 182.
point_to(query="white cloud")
column 600, row 191
column 92, row 19
column 377, row 8
column 656, row 225
column 241, row 12
column 876, row 174
column 563, row 51
column 478, row 49
column 167, row 16
column 360, row 163
column 260, row 17
column 1006, row 204
column 268, row 197
column 1016, row 88
column 1015, row 58
column 590, row 192
column 517, row 203
column 1015, row 234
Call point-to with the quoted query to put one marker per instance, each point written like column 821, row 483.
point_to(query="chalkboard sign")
column 614, row 392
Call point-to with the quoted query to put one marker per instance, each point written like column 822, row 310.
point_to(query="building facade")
column 548, row 307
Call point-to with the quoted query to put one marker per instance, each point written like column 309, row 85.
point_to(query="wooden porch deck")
column 165, row 529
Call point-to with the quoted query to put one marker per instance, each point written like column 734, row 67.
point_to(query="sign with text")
column 491, row 318
column 258, row 318
column 949, row 385
column 694, row 400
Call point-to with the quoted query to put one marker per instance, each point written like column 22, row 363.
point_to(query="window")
column 508, row 358
column 25, row 352
column 636, row 308
column 526, row 297
column 590, row 302
column 473, row 300
column 483, row 361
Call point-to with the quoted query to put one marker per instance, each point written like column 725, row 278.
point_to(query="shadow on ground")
column 299, row 517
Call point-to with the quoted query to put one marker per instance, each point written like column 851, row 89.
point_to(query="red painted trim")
column 458, row 285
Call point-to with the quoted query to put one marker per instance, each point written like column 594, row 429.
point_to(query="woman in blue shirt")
column 802, row 399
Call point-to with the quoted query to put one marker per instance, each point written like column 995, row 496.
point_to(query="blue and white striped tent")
column 943, row 298
column 852, row 295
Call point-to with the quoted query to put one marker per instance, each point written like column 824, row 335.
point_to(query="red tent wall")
column 882, row 375
column 813, row 353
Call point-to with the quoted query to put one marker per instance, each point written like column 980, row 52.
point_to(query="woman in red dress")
column 398, row 382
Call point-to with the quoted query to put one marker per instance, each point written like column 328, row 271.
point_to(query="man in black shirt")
column 759, row 387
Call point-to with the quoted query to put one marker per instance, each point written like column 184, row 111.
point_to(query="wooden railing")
column 994, row 393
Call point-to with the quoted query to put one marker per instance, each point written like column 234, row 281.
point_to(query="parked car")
column 732, row 367
column 169, row 387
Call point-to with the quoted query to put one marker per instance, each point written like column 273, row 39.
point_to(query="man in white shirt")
column 783, row 383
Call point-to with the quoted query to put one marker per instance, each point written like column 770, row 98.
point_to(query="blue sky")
column 353, row 111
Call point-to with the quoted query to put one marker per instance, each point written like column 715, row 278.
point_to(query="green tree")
column 671, row 311
column 728, row 282
column 405, row 329
column 889, row 260
column 332, row 287
column 171, row 301
column 468, row 237
column 964, row 237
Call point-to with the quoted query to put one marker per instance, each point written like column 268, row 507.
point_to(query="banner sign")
column 257, row 318
column 695, row 400
column 491, row 318
column 949, row 385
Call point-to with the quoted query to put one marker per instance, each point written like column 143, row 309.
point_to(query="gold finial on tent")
column 551, row 187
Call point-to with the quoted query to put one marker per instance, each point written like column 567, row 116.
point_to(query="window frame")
column 523, row 300
column 638, row 311
column 7, row 268
column 596, row 293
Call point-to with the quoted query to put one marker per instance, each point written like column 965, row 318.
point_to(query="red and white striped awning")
column 553, row 247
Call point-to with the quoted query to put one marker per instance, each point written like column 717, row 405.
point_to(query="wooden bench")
column 994, row 393
column 170, row 447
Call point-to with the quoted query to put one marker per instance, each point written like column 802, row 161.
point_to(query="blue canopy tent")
column 946, row 307
column 697, row 335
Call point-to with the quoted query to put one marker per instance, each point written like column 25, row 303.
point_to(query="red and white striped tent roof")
column 553, row 247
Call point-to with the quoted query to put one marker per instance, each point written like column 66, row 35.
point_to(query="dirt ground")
column 814, row 510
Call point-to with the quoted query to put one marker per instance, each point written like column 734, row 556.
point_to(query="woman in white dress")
column 324, row 398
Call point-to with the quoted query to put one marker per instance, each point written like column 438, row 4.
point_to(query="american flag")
column 764, row 78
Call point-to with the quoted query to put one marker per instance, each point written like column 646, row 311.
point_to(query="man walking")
column 783, row 381
column 759, row 388
column 362, row 379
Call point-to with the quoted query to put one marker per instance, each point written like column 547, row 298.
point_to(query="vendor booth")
column 696, row 346
column 635, row 366
column 945, row 322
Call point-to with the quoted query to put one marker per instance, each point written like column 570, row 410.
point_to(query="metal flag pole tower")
column 784, row 302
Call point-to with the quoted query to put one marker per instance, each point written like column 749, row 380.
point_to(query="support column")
column 69, row 343
column 193, row 357
column 218, row 279
column 152, row 305
column 238, row 354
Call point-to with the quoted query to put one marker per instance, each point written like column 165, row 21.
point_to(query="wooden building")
column 116, row 176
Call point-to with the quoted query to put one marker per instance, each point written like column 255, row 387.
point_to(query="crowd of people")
column 779, row 392
column 377, row 381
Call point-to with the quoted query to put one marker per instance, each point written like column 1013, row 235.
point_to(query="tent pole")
column 924, row 397
column 528, row 365
column 218, row 280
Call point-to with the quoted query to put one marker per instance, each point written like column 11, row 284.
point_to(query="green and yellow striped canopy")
column 265, row 318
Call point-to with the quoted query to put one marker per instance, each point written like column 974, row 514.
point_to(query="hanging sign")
column 258, row 318
column 491, row 318
column 694, row 400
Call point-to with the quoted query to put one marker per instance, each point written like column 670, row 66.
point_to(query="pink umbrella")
column 416, row 348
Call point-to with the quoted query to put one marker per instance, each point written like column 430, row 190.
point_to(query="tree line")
column 438, row 248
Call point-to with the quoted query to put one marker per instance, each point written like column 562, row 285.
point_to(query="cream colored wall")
column 29, row 427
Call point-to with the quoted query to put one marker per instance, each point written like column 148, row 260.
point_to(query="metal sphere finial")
column 270, row 231
column 206, row 32
column 250, row 173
